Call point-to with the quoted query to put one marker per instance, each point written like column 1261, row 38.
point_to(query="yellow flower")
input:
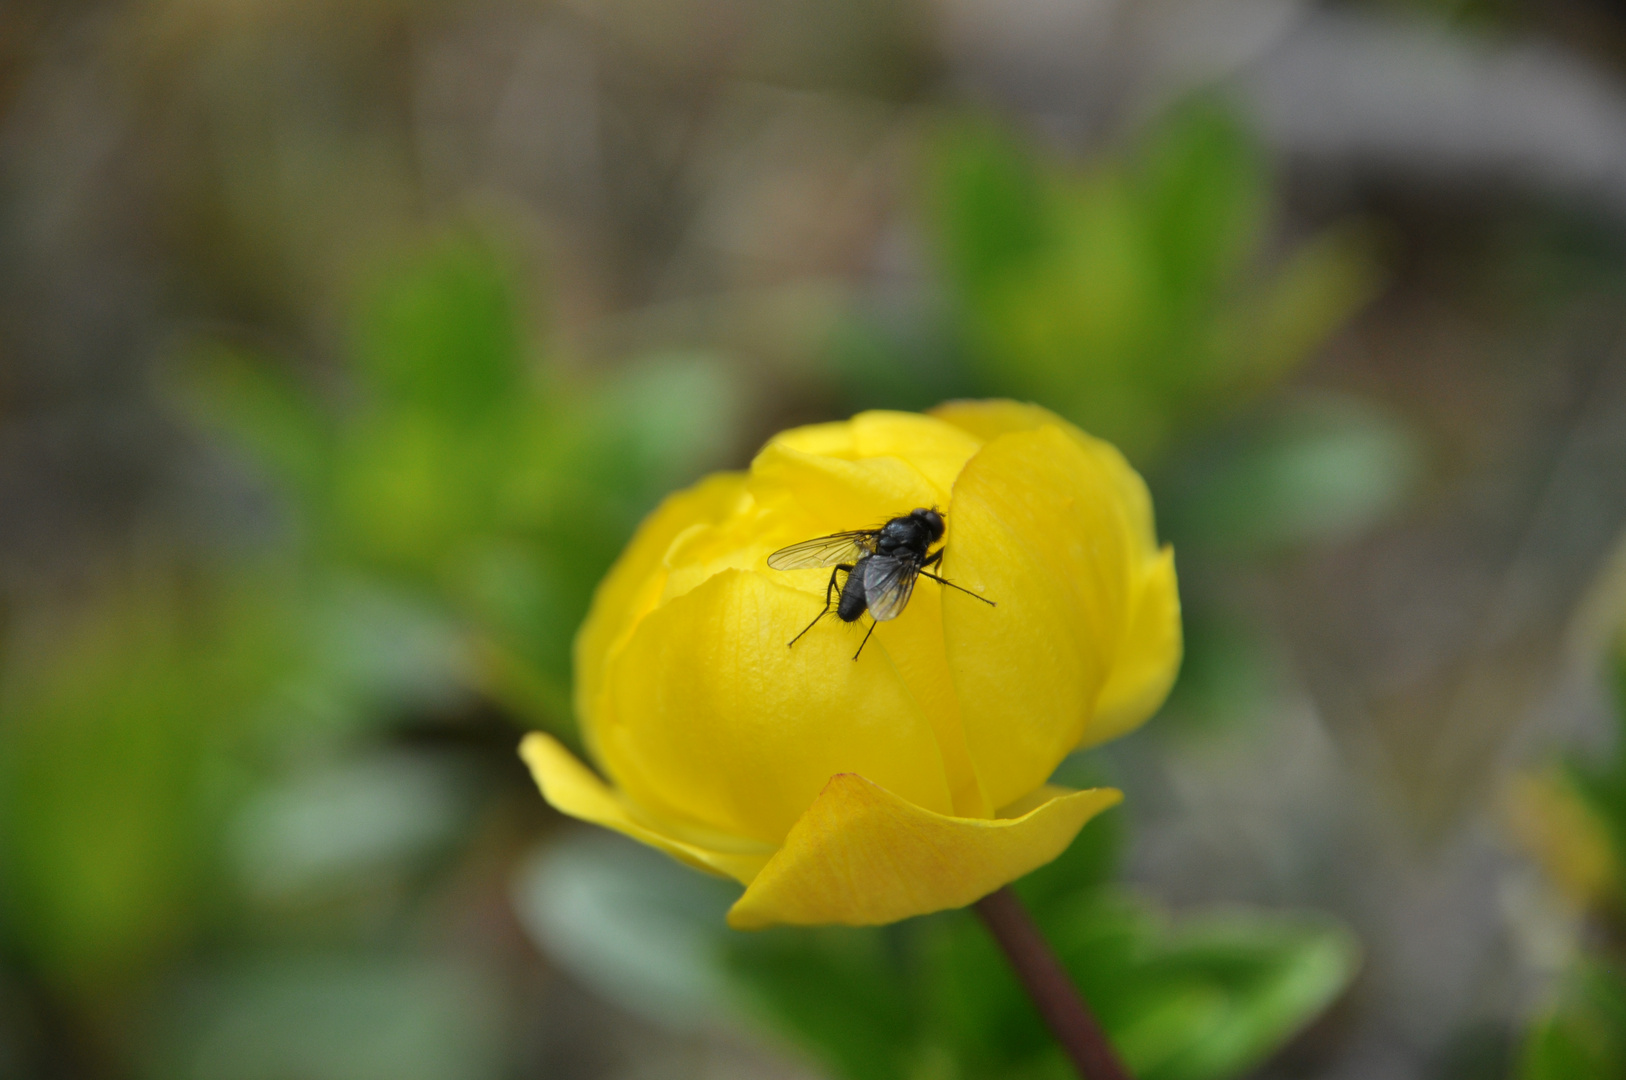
column 914, row 778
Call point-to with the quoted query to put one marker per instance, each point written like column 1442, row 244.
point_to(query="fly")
column 881, row 567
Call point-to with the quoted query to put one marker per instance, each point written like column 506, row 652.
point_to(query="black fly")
column 881, row 566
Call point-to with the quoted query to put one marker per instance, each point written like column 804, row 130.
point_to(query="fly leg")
column 861, row 644
column 936, row 558
column 829, row 591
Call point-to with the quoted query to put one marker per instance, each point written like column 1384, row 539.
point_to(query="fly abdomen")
column 853, row 601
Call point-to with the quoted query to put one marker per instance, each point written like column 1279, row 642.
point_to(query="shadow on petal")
column 572, row 788
column 862, row 856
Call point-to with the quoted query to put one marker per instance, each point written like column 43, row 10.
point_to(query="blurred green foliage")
column 1601, row 787
column 1148, row 295
column 1584, row 1036
column 1308, row 469
column 1141, row 295
column 121, row 754
column 1199, row 998
column 457, row 464
column 188, row 825
column 337, row 1015
column 200, row 792
column 1578, row 832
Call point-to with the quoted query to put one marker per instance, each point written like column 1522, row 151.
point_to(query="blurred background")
column 342, row 345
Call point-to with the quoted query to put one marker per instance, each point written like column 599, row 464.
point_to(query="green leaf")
column 1584, row 1036
column 1137, row 293
column 645, row 932
column 344, row 830
column 1603, row 784
column 119, row 753
column 1316, row 290
column 986, row 198
column 255, row 403
column 334, row 1016
column 842, row 992
column 1310, row 469
column 1264, row 978
column 1207, row 194
column 1201, row 1000
column 676, row 413
column 442, row 333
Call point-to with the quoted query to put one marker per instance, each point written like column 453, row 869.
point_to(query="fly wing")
column 888, row 582
column 847, row 547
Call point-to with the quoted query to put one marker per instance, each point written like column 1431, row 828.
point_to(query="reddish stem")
column 1047, row 983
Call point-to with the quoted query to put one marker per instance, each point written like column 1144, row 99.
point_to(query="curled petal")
column 814, row 493
column 1036, row 527
column 634, row 584
column 1148, row 659
column 987, row 420
column 933, row 447
column 571, row 788
column 862, row 856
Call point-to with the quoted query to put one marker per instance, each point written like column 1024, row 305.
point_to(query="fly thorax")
column 897, row 535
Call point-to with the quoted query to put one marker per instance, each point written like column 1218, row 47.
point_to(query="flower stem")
column 1047, row 983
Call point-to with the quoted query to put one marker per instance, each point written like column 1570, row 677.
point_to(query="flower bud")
column 911, row 779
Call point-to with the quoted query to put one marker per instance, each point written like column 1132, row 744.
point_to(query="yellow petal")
column 862, row 856
column 709, row 718
column 1146, row 662
column 914, row 643
column 634, row 583
column 832, row 439
column 1145, row 666
column 812, row 494
column 987, row 420
column 572, row 789
column 935, row 448
column 1037, row 526
column 939, row 450
column 853, row 475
